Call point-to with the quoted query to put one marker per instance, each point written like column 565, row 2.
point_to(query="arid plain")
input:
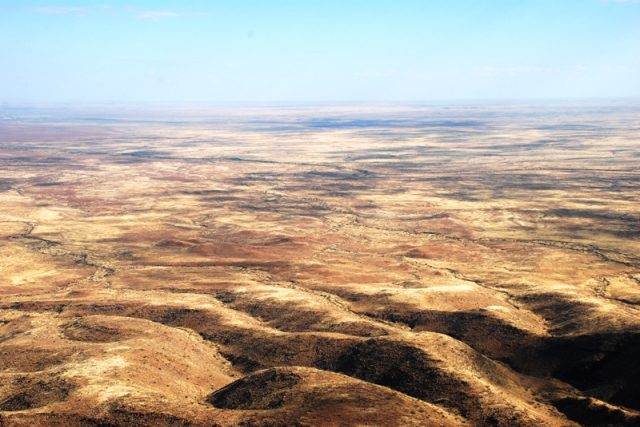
column 448, row 266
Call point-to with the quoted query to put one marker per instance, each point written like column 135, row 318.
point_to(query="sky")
column 265, row 51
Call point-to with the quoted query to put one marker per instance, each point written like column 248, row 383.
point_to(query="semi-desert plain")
column 463, row 265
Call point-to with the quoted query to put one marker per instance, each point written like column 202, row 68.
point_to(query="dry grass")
column 406, row 266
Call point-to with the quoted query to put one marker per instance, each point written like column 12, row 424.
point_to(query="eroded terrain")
column 442, row 266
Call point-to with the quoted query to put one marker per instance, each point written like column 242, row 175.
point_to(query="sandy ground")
column 473, row 265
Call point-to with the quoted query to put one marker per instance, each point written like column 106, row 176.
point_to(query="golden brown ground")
column 473, row 265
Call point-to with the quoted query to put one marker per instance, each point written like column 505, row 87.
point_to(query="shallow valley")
column 470, row 265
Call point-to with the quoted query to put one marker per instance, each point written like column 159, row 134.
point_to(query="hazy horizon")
column 397, row 213
column 283, row 52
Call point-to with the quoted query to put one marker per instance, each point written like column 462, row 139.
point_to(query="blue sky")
column 322, row 50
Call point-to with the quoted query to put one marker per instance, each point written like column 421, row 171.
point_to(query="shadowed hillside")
column 327, row 266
